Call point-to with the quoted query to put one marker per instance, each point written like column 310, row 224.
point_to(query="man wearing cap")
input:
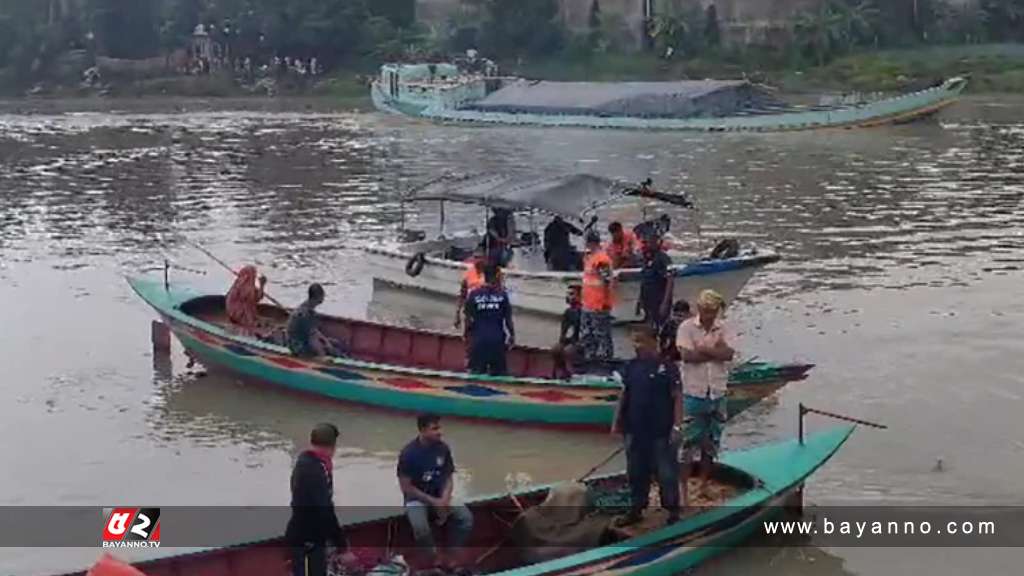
column 314, row 525
column 598, row 301
column 706, row 346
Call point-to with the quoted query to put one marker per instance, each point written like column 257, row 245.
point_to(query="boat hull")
column 588, row 402
column 899, row 109
column 544, row 292
column 776, row 473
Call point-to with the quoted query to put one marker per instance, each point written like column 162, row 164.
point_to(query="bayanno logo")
column 131, row 527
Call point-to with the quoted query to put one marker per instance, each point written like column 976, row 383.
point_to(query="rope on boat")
column 804, row 410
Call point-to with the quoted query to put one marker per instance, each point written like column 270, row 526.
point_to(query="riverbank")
column 992, row 69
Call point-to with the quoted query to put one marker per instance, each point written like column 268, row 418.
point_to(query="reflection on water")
column 899, row 279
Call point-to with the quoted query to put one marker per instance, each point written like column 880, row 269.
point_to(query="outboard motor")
column 725, row 249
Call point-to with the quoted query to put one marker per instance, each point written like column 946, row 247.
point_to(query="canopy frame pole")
column 442, row 219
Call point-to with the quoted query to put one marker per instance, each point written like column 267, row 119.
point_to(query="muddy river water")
column 900, row 278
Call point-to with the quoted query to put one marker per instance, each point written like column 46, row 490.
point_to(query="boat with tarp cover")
column 449, row 92
column 565, row 529
column 415, row 370
column 437, row 264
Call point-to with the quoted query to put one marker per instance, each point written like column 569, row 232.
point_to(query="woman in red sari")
column 244, row 297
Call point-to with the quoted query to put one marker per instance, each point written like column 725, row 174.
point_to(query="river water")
column 900, row 279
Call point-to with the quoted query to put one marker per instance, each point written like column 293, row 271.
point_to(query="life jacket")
column 622, row 253
column 598, row 295
column 473, row 278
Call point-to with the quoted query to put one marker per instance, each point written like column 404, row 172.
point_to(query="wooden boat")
column 437, row 265
column 412, row 370
column 750, row 487
column 449, row 93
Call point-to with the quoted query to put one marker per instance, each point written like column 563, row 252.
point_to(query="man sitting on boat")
column 706, row 346
column 243, row 299
column 489, row 327
column 304, row 337
column 425, row 474
column 559, row 252
column 624, row 246
column 314, row 524
column 650, row 415
column 567, row 349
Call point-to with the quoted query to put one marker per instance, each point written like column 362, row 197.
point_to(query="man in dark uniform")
column 558, row 250
column 656, row 284
column 489, row 327
column 650, row 415
column 314, row 525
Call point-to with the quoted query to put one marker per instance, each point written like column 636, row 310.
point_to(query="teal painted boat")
column 412, row 370
column 449, row 93
column 750, row 486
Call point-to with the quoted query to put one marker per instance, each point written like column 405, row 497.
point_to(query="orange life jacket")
column 473, row 278
column 622, row 253
column 598, row 295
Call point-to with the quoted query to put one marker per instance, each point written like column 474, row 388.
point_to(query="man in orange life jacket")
column 623, row 248
column 598, row 301
column 472, row 279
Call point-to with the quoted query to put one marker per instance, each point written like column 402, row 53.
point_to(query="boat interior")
column 509, row 532
column 380, row 343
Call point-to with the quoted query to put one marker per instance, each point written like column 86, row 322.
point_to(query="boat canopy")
column 571, row 196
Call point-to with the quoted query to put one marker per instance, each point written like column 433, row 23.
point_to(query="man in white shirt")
column 706, row 346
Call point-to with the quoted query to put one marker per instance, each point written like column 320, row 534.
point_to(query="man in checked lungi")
column 706, row 345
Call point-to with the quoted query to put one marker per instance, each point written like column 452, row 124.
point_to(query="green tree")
column 521, row 27
column 1004, row 19
column 126, row 28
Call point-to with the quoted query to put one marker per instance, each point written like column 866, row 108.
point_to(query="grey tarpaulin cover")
column 562, row 524
column 677, row 99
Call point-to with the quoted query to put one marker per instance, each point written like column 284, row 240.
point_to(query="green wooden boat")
column 750, row 486
column 413, row 370
column 448, row 93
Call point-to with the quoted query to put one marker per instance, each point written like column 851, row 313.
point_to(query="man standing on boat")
column 314, row 525
column 656, row 283
column 558, row 250
column 425, row 475
column 598, row 301
column 650, row 415
column 623, row 247
column 706, row 346
column 489, row 328
column 500, row 237
column 472, row 279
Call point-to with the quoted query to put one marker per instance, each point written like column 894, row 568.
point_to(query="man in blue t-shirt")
column 425, row 470
column 489, row 327
column 650, row 415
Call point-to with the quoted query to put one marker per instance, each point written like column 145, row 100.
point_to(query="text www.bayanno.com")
column 861, row 529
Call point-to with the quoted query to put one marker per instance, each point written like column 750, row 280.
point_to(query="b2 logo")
column 131, row 528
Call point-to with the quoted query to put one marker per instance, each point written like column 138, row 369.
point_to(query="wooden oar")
column 602, row 463
column 232, row 270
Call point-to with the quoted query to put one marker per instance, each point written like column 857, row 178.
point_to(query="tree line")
column 33, row 33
